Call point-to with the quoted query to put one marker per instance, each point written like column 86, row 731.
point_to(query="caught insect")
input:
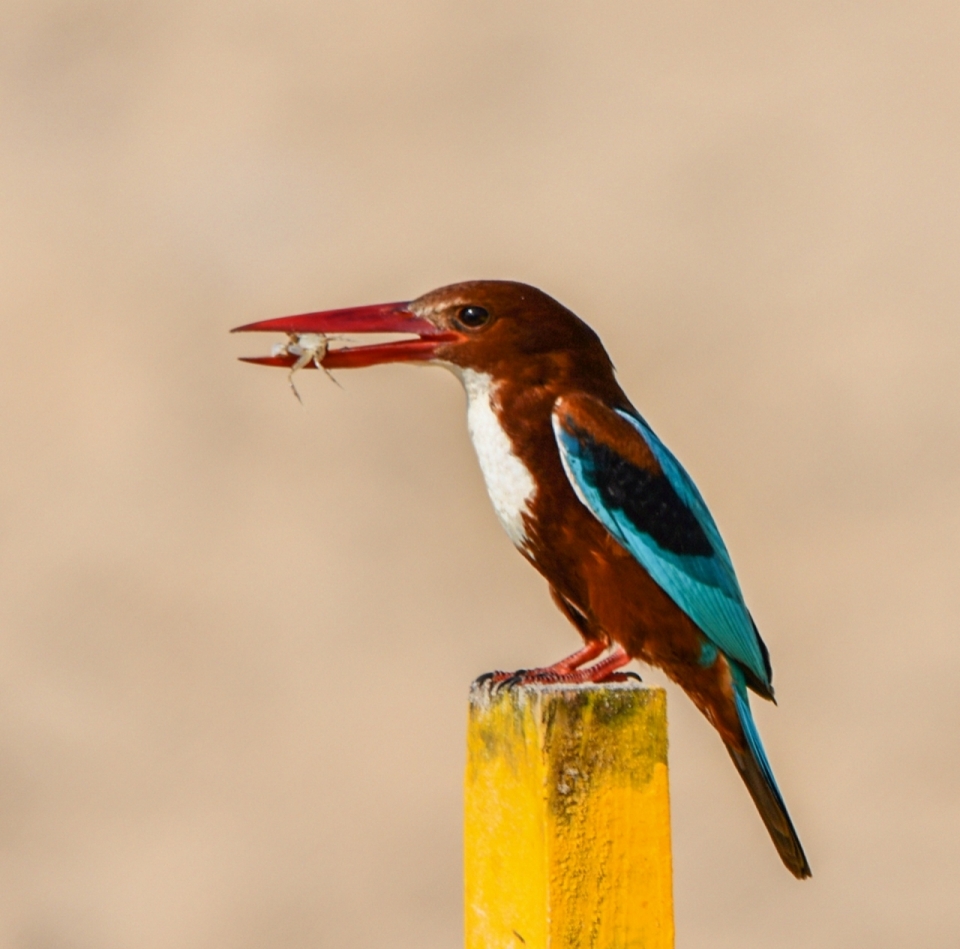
column 308, row 348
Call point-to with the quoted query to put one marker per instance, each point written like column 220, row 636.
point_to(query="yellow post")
column 568, row 818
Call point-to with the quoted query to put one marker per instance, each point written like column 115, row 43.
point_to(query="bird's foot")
column 549, row 677
column 561, row 673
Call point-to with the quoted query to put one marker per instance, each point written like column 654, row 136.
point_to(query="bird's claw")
column 508, row 680
column 497, row 681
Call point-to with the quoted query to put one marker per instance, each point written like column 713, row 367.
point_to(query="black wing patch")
column 647, row 499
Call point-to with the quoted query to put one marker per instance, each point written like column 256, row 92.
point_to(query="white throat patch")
column 509, row 483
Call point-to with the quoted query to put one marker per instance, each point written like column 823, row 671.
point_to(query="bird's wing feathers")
column 637, row 489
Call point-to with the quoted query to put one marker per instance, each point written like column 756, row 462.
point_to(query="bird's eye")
column 473, row 316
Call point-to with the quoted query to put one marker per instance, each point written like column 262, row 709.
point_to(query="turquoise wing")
column 655, row 511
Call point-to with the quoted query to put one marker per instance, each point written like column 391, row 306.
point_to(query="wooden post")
column 568, row 818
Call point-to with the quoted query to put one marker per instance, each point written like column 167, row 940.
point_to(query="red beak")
column 381, row 318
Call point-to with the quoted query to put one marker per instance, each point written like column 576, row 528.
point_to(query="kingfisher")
column 589, row 495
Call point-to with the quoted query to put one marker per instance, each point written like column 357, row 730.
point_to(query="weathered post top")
column 567, row 824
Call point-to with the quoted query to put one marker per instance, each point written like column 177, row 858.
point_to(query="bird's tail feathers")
column 757, row 774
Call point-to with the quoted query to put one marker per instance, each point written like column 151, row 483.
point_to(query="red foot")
column 566, row 671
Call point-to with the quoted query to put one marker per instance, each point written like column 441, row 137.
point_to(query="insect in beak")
column 307, row 348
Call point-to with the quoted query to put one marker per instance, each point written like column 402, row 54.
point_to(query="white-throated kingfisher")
column 591, row 497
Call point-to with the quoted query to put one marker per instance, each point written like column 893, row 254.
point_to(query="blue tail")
column 758, row 776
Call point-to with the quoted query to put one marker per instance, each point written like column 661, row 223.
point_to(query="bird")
column 590, row 496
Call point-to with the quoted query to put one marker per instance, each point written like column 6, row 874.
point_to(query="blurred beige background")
column 236, row 634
